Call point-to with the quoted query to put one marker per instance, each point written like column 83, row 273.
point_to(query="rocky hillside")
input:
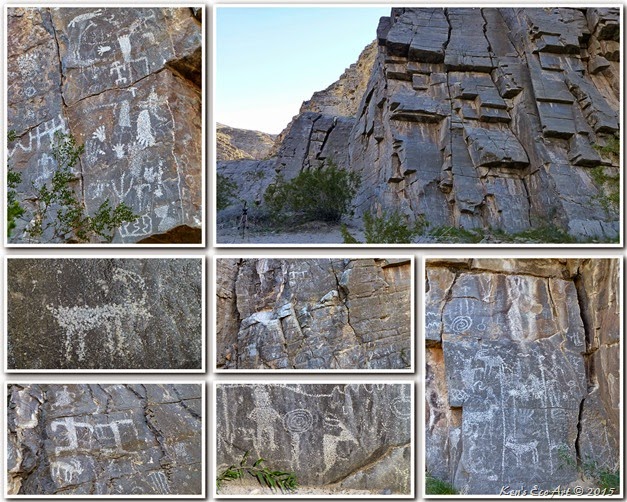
column 522, row 372
column 489, row 119
column 126, row 84
column 94, row 440
column 234, row 144
column 335, row 436
column 313, row 314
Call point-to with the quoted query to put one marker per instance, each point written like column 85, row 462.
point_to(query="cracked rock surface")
column 313, row 313
column 488, row 118
column 126, row 83
column 522, row 371
column 104, row 313
column 104, row 439
column 352, row 437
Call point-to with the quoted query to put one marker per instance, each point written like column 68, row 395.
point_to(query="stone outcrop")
column 234, row 144
column 126, row 83
column 313, row 313
column 490, row 119
column 351, row 436
column 522, row 371
column 95, row 440
column 104, row 313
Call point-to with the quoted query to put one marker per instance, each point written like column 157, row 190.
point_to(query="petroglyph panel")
column 104, row 313
column 126, row 83
column 313, row 313
column 349, row 436
column 104, row 439
column 512, row 375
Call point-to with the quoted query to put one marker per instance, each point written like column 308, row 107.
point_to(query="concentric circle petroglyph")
column 298, row 421
column 401, row 407
column 461, row 323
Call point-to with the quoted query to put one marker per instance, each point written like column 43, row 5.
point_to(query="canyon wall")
column 313, row 313
column 126, row 84
column 346, row 436
column 522, row 371
column 492, row 118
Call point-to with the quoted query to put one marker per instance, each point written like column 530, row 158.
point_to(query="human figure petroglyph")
column 116, row 319
column 264, row 415
column 125, row 47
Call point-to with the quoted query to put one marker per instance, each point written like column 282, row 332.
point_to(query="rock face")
column 313, row 313
column 352, row 436
column 479, row 119
column 104, row 439
column 104, row 313
column 522, row 371
column 233, row 143
column 126, row 83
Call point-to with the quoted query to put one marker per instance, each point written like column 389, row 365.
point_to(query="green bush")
column 434, row 486
column 57, row 210
column 389, row 228
column 454, row 235
column 226, row 190
column 282, row 480
column 323, row 194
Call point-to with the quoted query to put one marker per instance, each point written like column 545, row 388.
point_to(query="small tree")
column 57, row 209
column 322, row 194
column 389, row 228
column 225, row 191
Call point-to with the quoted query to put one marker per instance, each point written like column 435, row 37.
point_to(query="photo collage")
column 313, row 251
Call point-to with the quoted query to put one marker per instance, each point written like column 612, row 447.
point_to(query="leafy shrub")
column 456, row 235
column 226, row 190
column 282, row 480
column 609, row 187
column 389, row 228
column 57, row 208
column 323, row 194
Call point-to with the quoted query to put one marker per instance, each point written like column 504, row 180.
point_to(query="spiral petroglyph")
column 461, row 323
column 298, row 421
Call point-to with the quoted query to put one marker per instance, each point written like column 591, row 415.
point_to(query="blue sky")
column 271, row 59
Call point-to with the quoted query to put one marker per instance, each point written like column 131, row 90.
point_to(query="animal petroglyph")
column 84, row 17
column 118, row 320
column 522, row 449
column 330, row 442
column 66, row 471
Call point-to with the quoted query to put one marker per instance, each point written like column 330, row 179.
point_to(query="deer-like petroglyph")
column 117, row 320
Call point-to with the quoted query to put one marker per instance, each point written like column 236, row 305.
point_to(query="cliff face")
column 233, row 143
column 126, row 83
column 522, row 372
column 95, row 440
column 313, row 314
column 480, row 118
column 104, row 314
column 347, row 436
